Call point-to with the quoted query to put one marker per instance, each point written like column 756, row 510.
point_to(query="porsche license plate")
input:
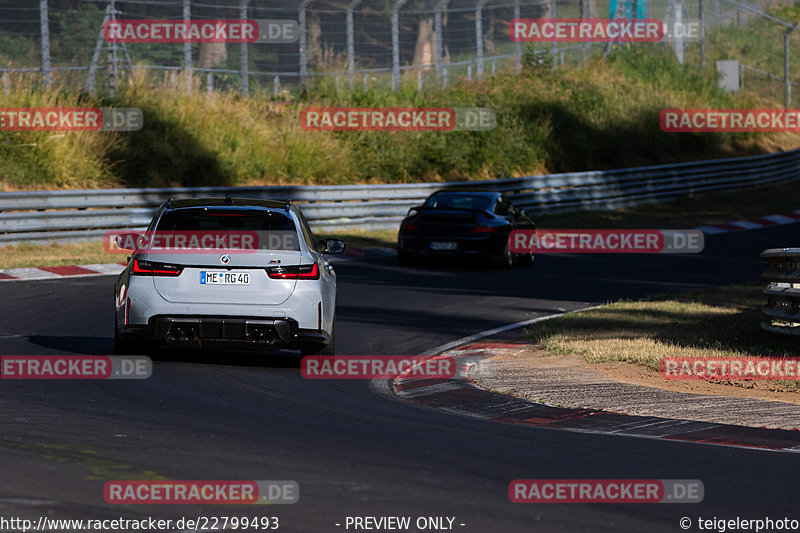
column 440, row 245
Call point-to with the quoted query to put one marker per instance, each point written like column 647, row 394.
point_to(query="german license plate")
column 224, row 278
column 440, row 245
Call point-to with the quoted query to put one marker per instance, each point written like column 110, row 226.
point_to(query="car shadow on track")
column 105, row 346
column 274, row 359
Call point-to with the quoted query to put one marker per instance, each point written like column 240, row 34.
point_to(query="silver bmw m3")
column 227, row 272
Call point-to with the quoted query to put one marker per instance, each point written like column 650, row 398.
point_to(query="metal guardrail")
column 79, row 215
column 782, row 311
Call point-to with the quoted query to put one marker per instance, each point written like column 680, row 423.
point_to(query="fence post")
column 701, row 13
column 396, row 43
column 677, row 43
column 112, row 54
column 210, row 83
column 90, row 79
column 469, row 72
column 276, row 85
column 243, row 63
column 303, row 40
column 6, row 83
column 187, row 48
column 517, row 44
column 554, row 46
column 437, row 30
column 786, row 81
column 351, row 44
column 479, row 35
column 366, row 82
column 44, row 20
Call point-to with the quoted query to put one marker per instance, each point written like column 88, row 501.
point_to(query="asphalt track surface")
column 353, row 450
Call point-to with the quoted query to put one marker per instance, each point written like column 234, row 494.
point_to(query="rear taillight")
column 150, row 268
column 294, row 272
column 485, row 229
column 410, row 227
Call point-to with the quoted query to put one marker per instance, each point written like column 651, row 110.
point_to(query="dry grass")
column 34, row 255
column 687, row 212
column 719, row 322
column 86, row 253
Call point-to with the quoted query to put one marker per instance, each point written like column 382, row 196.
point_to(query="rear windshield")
column 458, row 201
column 272, row 230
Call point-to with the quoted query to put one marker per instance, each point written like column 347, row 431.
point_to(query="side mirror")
column 332, row 246
column 129, row 240
column 412, row 211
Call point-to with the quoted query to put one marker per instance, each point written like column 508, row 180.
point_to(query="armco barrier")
column 65, row 216
column 782, row 311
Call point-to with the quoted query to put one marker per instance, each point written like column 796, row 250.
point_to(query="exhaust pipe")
column 182, row 333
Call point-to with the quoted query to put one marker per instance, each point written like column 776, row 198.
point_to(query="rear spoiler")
column 464, row 209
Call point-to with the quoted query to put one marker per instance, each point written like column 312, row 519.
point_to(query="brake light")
column 411, row 227
column 294, row 272
column 150, row 268
column 485, row 229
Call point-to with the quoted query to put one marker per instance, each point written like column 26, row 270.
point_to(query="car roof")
column 467, row 192
column 228, row 202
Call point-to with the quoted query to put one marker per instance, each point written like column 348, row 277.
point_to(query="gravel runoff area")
column 625, row 388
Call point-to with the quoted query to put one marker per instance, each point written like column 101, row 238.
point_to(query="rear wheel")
column 322, row 349
column 504, row 259
column 405, row 258
column 131, row 346
column 526, row 259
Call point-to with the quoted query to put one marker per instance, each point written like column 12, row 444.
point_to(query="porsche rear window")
column 458, row 201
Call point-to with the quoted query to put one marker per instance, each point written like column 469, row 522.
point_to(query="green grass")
column 601, row 115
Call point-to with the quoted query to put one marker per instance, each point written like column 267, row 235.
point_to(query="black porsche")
column 463, row 224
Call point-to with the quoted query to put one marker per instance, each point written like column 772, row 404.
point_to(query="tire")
column 406, row 259
column 122, row 346
column 526, row 259
column 504, row 260
column 131, row 346
column 321, row 349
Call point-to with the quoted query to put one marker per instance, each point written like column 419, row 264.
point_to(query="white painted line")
column 29, row 273
column 780, row 219
column 105, row 268
column 429, row 389
column 494, row 331
column 746, row 224
column 711, row 230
